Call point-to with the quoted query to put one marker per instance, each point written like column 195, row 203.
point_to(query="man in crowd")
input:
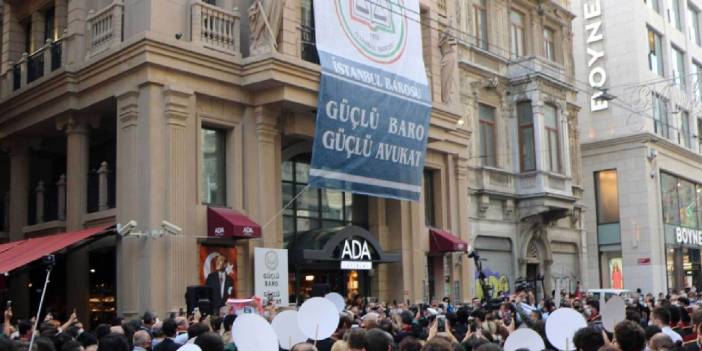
column 141, row 340
column 629, row 336
column 169, row 329
column 660, row 317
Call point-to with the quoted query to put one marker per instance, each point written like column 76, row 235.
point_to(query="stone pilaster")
column 290, row 41
column 77, row 12
column 378, row 226
column 467, row 265
column 179, row 254
column 19, row 195
column 128, row 272
column 19, row 187
column 268, row 142
column 77, row 168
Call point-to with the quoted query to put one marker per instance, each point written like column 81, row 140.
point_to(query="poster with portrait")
column 616, row 276
column 218, row 270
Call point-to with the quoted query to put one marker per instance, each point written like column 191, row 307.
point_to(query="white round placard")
column 285, row 326
column 337, row 300
column 252, row 332
column 318, row 318
column 613, row 312
column 524, row 338
column 561, row 326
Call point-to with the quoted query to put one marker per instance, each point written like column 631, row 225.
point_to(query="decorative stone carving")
column 483, row 205
column 508, row 209
column 449, row 66
column 265, row 18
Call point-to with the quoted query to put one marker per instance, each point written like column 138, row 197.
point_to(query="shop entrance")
column 335, row 260
column 318, row 282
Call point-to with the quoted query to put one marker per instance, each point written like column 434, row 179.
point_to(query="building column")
column 128, row 269
column 269, row 182
column 77, row 168
column 467, row 271
column 19, row 195
column 180, row 247
column 378, row 226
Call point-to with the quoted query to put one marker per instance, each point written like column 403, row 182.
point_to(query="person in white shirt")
column 660, row 317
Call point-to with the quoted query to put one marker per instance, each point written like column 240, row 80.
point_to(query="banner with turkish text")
column 374, row 100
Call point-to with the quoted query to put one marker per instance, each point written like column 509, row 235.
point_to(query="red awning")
column 441, row 241
column 19, row 253
column 227, row 223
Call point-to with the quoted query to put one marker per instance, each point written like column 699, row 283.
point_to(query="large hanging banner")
column 374, row 100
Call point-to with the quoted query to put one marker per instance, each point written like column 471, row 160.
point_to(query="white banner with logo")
column 271, row 275
column 374, row 99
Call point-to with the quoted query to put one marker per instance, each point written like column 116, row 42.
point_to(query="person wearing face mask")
column 592, row 312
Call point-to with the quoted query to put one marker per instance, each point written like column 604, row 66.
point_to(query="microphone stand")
column 49, row 268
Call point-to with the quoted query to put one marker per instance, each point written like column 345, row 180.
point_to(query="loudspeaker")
column 200, row 297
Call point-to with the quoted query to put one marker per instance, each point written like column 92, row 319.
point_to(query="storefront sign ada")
column 271, row 275
column 355, row 254
column 374, row 100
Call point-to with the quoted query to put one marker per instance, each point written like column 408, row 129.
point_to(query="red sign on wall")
column 644, row 261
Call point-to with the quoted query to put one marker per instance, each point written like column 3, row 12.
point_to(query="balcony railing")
column 105, row 28
column 32, row 67
column 48, row 202
column 35, row 65
column 16, row 76
column 101, row 188
column 215, row 28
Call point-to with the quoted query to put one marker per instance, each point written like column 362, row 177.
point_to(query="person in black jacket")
column 220, row 282
column 169, row 330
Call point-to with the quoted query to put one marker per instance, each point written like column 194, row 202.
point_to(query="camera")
column 49, row 260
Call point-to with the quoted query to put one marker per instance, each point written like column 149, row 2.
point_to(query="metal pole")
column 41, row 302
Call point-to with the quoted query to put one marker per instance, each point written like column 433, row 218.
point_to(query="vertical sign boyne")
column 374, row 101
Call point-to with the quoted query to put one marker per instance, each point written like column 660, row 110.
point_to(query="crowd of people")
column 655, row 323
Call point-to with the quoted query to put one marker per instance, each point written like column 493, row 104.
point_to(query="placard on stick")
column 318, row 318
column 524, row 339
column 561, row 326
column 252, row 332
column 285, row 326
column 613, row 312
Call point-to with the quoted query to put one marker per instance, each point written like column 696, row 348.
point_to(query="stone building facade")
column 114, row 111
column 525, row 189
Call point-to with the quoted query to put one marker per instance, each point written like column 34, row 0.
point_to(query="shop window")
column 699, row 135
column 660, row 116
column 527, row 157
column 669, row 196
column 687, row 195
column 214, row 166
column 683, row 268
column 549, row 44
column 429, row 199
column 607, row 193
column 481, row 23
column 684, row 134
column 316, row 208
column 488, row 135
column 655, row 53
column 678, row 68
column 552, row 139
column 517, row 33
